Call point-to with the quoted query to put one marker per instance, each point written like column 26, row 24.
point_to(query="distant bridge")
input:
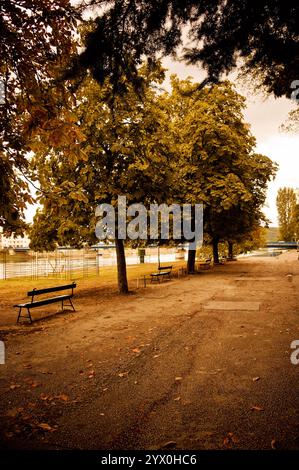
column 283, row 245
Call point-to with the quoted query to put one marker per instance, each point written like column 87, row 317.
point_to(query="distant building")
column 14, row 242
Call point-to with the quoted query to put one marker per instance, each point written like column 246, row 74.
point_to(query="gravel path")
column 196, row 363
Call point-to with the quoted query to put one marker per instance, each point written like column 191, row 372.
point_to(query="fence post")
column 4, row 265
column 2, row 352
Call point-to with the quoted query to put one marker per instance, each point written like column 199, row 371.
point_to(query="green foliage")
column 216, row 163
column 287, row 213
column 186, row 146
column 36, row 43
column 263, row 34
column 124, row 152
column 254, row 240
column 272, row 234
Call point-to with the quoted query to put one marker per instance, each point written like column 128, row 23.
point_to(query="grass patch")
column 14, row 290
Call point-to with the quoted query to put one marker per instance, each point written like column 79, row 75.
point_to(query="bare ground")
column 172, row 365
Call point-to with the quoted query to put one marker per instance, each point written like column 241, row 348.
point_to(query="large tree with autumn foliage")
column 36, row 42
column 216, row 162
column 125, row 152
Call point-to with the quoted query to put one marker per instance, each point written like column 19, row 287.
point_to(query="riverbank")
column 202, row 361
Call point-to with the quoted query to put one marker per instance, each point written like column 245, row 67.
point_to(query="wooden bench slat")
column 39, row 303
column 48, row 290
column 165, row 268
column 163, row 271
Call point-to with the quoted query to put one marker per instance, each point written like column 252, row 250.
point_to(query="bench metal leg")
column 24, row 316
column 20, row 309
column 29, row 315
column 71, row 304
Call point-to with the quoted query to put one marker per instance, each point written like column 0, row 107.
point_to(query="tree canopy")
column 37, row 40
column 185, row 146
column 261, row 36
column 216, row 163
column 125, row 152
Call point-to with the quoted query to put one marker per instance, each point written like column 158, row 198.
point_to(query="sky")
column 265, row 116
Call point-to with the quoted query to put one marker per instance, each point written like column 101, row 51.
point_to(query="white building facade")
column 14, row 242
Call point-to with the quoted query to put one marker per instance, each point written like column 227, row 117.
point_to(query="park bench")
column 204, row 264
column 46, row 301
column 163, row 272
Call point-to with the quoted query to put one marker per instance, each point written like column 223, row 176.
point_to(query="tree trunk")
column 121, row 267
column 230, row 250
column 191, row 261
column 191, row 253
column 215, row 251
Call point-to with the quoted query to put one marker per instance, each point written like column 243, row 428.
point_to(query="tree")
column 297, row 221
column 254, row 240
column 36, row 44
column 264, row 35
column 216, row 163
column 237, row 223
column 125, row 152
column 286, row 207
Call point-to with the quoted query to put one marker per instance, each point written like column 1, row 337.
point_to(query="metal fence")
column 71, row 263
column 63, row 264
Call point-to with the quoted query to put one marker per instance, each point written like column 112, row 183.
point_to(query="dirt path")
column 198, row 363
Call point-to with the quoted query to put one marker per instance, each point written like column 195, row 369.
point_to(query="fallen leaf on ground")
column 44, row 397
column 13, row 386
column 178, row 379
column 26, row 417
column 14, row 412
column 31, row 405
column 168, row 445
column 62, row 397
column 177, row 399
column 229, row 440
column 123, row 374
column 46, row 427
column 257, row 408
column 255, row 379
column 91, row 374
column 136, row 350
column 35, row 384
column 273, row 444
